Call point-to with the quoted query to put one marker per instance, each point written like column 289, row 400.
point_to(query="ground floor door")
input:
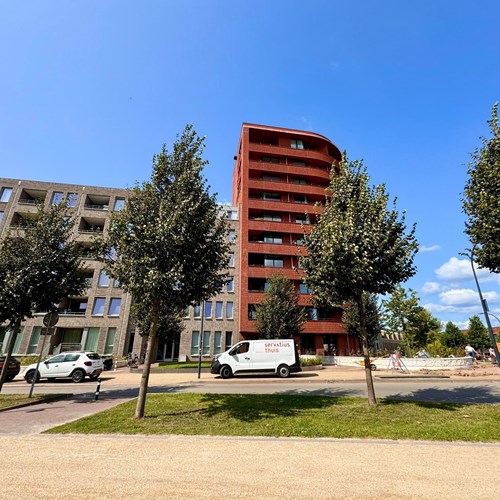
column 168, row 350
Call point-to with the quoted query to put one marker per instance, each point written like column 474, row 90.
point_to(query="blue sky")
column 90, row 90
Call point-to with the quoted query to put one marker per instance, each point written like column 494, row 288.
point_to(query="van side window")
column 240, row 349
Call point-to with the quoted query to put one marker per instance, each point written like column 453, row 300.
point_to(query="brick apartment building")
column 279, row 176
column 100, row 320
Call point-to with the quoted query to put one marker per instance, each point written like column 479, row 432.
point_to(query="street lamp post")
column 486, row 313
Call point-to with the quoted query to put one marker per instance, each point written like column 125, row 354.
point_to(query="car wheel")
column 373, row 367
column 30, row 376
column 77, row 376
column 283, row 371
column 9, row 378
column 225, row 372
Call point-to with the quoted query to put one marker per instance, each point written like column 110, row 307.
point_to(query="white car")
column 75, row 365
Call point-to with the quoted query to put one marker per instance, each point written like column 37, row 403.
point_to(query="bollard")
column 98, row 388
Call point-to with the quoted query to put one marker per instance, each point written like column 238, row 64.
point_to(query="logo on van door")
column 275, row 346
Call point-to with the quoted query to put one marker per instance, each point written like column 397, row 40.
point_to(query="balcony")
column 97, row 202
column 91, row 225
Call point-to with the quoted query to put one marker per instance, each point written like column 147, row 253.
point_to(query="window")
column 72, row 199
column 231, row 235
column 56, row 359
column 269, row 159
column 110, row 341
column 186, row 312
column 272, row 217
column 229, row 340
column 252, row 313
column 272, row 178
column 231, row 259
column 271, row 196
column 197, row 311
column 195, row 339
column 300, row 198
column 303, row 289
column 119, row 204
column 19, row 337
column 34, row 339
column 230, row 284
column 217, row 342
column 301, row 219
column 103, row 279
column 273, row 238
column 116, row 283
column 229, row 310
column 299, row 180
column 232, row 215
column 1, row 216
column 5, row 194
column 296, row 144
column 92, row 339
column 218, row 310
column 57, row 197
column 273, row 261
column 208, row 309
column 206, row 343
column 299, row 163
column 98, row 309
column 114, row 307
column 312, row 313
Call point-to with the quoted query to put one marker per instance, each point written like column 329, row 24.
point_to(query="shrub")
column 28, row 360
column 311, row 361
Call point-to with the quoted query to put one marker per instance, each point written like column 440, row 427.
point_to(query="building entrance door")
column 168, row 350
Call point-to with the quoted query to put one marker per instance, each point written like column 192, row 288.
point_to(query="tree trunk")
column 372, row 401
column 12, row 341
column 143, row 390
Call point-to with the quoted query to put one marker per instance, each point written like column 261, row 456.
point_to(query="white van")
column 278, row 356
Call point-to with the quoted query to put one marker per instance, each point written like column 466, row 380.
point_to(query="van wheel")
column 283, row 371
column 225, row 372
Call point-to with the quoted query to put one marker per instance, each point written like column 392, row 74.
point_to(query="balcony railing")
column 69, row 312
column 29, row 202
column 96, row 207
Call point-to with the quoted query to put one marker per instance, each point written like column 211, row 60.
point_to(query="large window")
column 98, row 309
column 217, row 342
column 114, row 306
column 300, row 198
column 273, row 238
column 1, row 215
column 232, row 235
column 103, row 279
column 296, row 144
column 119, row 204
column 195, row 343
column 206, row 343
column 5, row 194
column 301, row 219
column 231, row 259
column 34, row 339
column 218, row 310
column 92, row 339
column 229, row 340
column 110, row 341
column 197, row 311
column 230, row 284
column 72, row 199
column 57, row 197
column 269, row 159
column 208, row 309
column 19, row 337
column 273, row 261
column 229, row 310
column 272, row 217
column 303, row 289
column 271, row 196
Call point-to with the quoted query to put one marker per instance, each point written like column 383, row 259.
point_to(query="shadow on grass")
column 447, row 398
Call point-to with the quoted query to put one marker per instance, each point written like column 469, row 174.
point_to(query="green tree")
column 477, row 336
column 39, row 267
column 350, row 317
column 279, row 315
column 453, row 337
column 170, row 246
column 481, row 195
column 358, row 247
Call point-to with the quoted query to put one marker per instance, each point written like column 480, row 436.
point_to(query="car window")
column 56, row 359
column 71, row 357
column 93, row 355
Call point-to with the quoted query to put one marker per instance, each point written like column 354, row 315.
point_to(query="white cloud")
column 463, row 325
column 459, row 297
column 456, row 270
column 431, row 248
column 431, row 287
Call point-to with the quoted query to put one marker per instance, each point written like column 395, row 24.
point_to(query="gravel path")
column 97, row 467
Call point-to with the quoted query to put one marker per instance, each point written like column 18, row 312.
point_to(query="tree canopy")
column 477, row 335
column 453, row 336
column 279, row 315
column 481, row 201
column 358, row 246
column 168, row 246
column 39, row 267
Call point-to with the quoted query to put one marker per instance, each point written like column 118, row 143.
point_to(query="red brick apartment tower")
column 279, row 175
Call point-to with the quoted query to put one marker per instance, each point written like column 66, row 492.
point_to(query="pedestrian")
column 471, row 352
column 493, row 356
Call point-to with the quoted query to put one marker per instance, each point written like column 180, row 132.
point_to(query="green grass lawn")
column 179, row 366
column 10, row 400
column 292, row 415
